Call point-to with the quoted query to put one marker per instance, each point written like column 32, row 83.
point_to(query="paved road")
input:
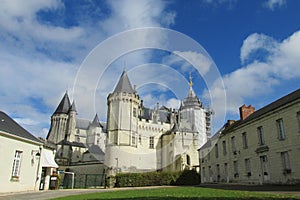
column 49, row 194
column 44, row 195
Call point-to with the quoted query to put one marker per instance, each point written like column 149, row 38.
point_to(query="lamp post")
column 37, row 155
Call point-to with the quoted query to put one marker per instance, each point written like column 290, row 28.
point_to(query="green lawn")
column 176, row 193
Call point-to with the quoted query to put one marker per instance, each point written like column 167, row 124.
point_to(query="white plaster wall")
column 28, row 169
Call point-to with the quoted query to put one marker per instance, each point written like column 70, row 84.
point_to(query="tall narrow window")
column 133, row 138
column 134, row 112
column 235, row 169
column 224, row 147
column 16, row 165
column 245, row 140
column 261, row 138
column 280, row 128
column 216, row 150
column 233, row 144
column 210, row 171
column 286, row 162
column 218, row 172
column 140, row 139
column 115, row 137
column 151, row 143
column 188, row 160
column 248, row 167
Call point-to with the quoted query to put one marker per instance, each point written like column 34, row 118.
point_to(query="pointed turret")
column 192, row 100
column 124, row 84
column 95, row 122
column 73, row 107
column 64, row 105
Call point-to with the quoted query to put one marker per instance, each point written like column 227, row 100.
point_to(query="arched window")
column 188, row 160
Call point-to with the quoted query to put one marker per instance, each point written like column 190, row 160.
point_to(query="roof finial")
column 124, row 66
column 191, row 81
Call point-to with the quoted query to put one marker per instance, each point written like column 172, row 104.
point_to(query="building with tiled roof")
column 262, row 147
column 26, row 164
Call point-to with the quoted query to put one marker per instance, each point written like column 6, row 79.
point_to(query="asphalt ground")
column 49, row 194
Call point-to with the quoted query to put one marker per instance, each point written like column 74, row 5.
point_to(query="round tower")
column 122, row 123
column 192, row 115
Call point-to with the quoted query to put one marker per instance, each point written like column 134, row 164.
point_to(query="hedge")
column 187, row 177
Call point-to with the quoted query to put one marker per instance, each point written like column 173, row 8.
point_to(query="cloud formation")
column 274, row 4
column 40, row 55
column 259, row 78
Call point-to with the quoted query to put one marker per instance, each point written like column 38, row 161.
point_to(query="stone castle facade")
column 135, row 138
column 144, row 139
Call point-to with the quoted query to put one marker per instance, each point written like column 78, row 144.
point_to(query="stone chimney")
column 246, row 111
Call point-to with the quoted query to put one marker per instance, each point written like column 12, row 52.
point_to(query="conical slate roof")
column 124, row 84
column 95, row 122
column 73, row 107
column 64, row 105
column 192, row 100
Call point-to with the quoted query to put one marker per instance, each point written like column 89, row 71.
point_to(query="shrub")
column 187, row 177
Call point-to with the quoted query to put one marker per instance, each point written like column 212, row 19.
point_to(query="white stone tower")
column 192, row 115
column 122, row 124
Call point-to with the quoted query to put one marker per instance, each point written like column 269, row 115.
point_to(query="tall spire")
column 191, row 91
column 191, row 81
column 191, row 100
column 64, row 105
column 124, row 84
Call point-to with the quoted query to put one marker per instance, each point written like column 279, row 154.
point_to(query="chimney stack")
column 246, row 111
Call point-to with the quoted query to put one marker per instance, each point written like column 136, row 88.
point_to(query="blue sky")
column 255, row 45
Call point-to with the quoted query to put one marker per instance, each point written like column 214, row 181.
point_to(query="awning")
column 48, row 159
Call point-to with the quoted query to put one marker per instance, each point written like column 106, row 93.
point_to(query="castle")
column 136, row 138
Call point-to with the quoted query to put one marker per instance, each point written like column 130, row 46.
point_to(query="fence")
column 84, row 181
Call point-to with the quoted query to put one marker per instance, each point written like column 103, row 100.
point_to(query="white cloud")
column 39, row 60
column 198, row 60
column 274, row 4
column 189, row 60
column 130, row 14
column 255, row 42
column 260, row 78
column 19, row 19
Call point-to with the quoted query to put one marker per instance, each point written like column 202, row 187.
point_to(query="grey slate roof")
column 10, row 126
column 272, row 106
column 124, row 84
column 164, row 116
column 64, row 105
column 95, row 149
column 191, row 101
column 95, row 122
column 74, row 144
column 73, row 107
column 82, row 123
